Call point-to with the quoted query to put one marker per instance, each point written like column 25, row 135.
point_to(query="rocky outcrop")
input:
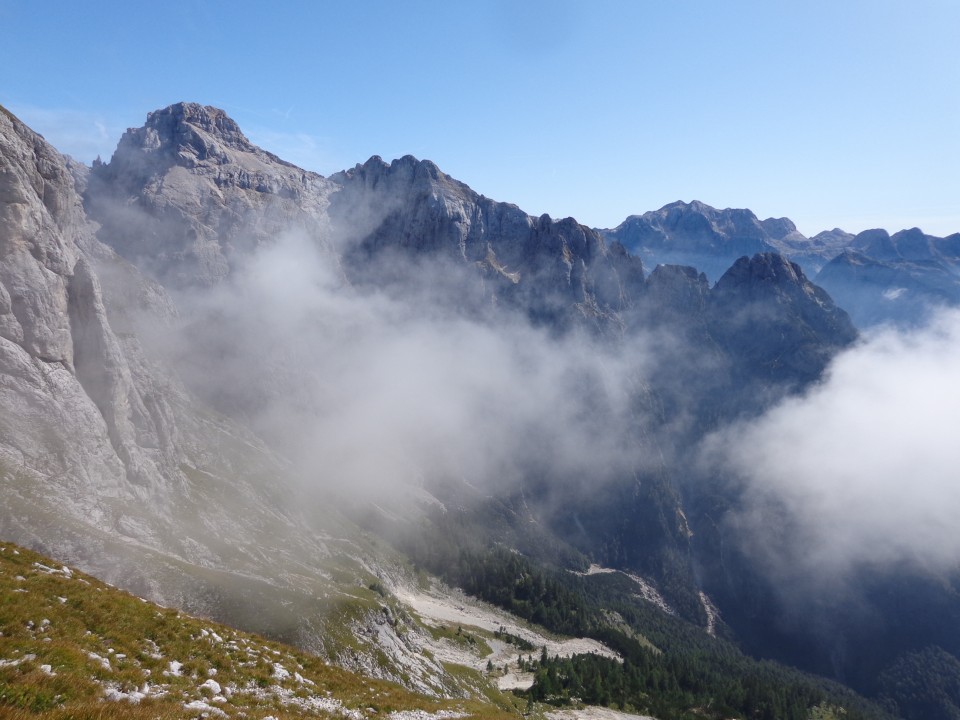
column 775, row 323
column 554, row 271
column 105, row 460
column 52, row 302
column 187, row 194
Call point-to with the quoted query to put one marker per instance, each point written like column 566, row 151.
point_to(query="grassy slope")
column 68, row 641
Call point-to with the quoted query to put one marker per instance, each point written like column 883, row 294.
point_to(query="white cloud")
column 864, row 469
column 366, row 390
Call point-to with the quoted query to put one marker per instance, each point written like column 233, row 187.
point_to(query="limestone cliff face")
column 40, row 220
column 104, row 457
column 62, row 364
column 187, row 193
column 555, row 271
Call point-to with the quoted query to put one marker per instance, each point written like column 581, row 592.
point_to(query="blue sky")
column 842, row 113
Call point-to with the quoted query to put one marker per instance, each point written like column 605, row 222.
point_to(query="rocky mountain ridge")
column 107, row 460
column 178, row 196
column 901, row 278
column 134, row 438
column 681, row 233
column 539, row 265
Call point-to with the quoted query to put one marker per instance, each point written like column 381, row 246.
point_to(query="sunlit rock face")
column 187, row 193
column 65, row 367
column 164, row 456
column 101, row 447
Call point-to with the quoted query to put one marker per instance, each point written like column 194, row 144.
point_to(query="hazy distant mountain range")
column 247, row 390
column 875, row 276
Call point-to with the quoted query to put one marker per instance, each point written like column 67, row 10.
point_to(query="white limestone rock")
column 187, row 193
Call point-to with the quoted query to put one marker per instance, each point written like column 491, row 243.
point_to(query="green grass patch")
column 74, row 648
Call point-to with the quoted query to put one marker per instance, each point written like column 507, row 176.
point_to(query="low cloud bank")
column 864, row 469
column 368, row 390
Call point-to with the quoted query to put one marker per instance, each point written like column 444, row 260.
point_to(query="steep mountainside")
column 554, row 271
column 78, row 388
column 773, row 293
column 216, row 358
column 108, row 462
column 72, row 646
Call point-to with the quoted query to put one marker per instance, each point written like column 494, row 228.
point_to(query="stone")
column 187, row 193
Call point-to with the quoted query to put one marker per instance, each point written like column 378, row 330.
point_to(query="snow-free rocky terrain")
column 311, row 406
column 109, row 462
column 70, row 641
column 73, row 642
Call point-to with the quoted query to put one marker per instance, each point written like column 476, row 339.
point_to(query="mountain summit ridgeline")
column 297, row 403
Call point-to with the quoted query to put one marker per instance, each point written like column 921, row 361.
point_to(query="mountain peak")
column 698, row 234
column 771, row 279
column 187, row 134
column 210, row 118
column 802, row 325
column 190, row 131
column 765, row 267
column 184, row 165
column 778, row 228
column 408, row 164
column 695, row 205
column 404, row 174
